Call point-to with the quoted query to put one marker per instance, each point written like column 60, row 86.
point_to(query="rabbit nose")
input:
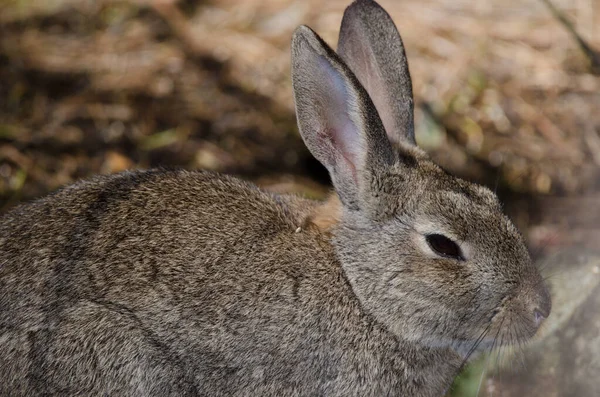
column 542, row 306
column 538, row 317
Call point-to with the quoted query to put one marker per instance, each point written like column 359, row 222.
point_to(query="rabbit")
column 192, row 283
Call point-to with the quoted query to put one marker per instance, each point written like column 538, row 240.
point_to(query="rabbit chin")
column 467, row 349
column 496, row 337
column 491, row 336
column 422, row 335
column 471, row 349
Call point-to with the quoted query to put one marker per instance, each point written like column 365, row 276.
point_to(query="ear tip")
column 302, row 30
column 303, row 33
column 304, row 38
column 365, row 12
column 362, row 6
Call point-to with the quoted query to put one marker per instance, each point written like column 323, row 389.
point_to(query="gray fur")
column 193, row 283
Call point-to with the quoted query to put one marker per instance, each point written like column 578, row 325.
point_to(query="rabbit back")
column 176, row 283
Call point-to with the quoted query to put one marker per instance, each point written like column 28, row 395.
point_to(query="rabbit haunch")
column 178, row 283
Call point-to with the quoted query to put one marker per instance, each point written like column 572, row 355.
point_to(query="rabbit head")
column 430, row 256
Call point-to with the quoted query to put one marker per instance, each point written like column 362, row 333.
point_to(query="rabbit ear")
column 371, row 46
column 336, row 117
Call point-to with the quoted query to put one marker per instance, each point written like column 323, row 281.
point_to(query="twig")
column 592, row 55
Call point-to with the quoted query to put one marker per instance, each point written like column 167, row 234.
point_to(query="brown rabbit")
column 175, row 283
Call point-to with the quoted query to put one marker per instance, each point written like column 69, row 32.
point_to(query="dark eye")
column 443, row 246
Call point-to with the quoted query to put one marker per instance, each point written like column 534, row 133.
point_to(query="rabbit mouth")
column 502, row 331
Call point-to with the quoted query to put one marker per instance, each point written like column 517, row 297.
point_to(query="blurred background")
column 507, row 94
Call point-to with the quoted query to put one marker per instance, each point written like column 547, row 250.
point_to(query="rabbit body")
column 192, row 283
column 146, row 283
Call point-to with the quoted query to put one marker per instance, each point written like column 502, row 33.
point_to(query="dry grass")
column 503, row 90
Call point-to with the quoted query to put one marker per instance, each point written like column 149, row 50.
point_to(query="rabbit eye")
column 443, row 246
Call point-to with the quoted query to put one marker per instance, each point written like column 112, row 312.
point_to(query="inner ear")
column 340, row 133
column 337, row 119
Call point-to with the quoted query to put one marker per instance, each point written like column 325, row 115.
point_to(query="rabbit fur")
column 181, row 283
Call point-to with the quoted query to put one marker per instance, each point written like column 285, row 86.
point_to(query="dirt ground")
column 506, row 94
